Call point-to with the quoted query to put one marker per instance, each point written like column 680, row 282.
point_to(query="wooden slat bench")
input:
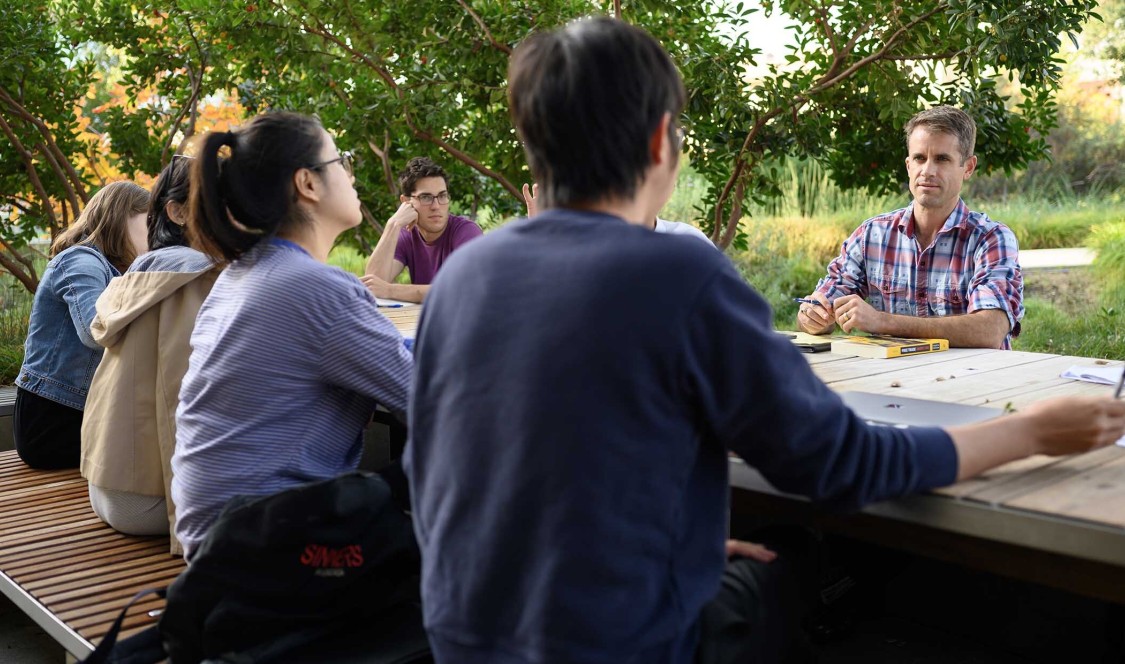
column 66, row 569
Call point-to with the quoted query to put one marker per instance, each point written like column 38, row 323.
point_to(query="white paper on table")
column 385, row 302
column 1099, row 375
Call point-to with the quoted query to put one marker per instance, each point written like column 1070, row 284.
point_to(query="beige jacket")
column 144, row 320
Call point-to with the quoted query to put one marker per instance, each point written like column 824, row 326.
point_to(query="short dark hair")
column 947, row 120
column 249, row 196
column 172, row 185
column 416, row 169
column 585, row 100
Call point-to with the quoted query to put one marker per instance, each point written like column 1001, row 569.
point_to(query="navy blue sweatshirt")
column 578, row 383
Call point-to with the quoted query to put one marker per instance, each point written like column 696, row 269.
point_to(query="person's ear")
column 970, row 166
column 658, row 147
column 403, row 199
column 306, row 185
column 176, row 212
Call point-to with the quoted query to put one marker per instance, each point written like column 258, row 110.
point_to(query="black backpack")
column 303, row 570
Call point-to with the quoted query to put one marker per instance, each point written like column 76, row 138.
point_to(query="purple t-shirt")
column 424, row 260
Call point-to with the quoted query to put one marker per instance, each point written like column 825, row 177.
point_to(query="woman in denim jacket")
column 60, row 355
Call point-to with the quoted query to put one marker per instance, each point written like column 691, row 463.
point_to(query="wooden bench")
column 64, row 567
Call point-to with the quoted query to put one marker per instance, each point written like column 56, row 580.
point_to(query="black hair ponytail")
column 238, row 201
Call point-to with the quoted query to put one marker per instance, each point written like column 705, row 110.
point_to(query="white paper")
column 1100, row 375
column 384, row 302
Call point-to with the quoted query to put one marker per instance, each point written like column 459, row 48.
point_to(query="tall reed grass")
column 15, row 310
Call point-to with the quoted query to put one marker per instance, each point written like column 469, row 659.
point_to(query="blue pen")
column 391, row 306
column 805, row 300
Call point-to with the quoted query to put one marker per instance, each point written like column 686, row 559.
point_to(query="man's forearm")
column 984, row 446
column 406, row 292
column 381, row 263
column 980, row 329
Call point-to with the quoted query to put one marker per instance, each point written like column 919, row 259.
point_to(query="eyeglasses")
column 428, row 199
column 346, row 159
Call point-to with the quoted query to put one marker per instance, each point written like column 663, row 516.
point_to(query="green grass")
column 1043, row 224
column 348, row 259
column 1098, row 333
column 14, row 314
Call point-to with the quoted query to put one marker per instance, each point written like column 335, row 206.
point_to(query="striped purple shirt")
column 972, row 264
column 288, row 359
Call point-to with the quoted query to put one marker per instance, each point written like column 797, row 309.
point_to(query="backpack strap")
column 141, row 648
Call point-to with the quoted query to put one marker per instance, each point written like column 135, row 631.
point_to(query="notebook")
column 809, row 343
column 905, row 412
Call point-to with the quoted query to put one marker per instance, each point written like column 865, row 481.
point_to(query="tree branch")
column 29, row 279
column 829, row 34
column 28, row 162
column 370, row 218
column 323, row 32
column 487, row 33
column 735, row 212
column 930, row 56
column 22, row 206
column 71, row 195
column 189, row 106
column 193, row 99
column 49, row 140
column 859, row 33
column 384, row 158
column 829, row 79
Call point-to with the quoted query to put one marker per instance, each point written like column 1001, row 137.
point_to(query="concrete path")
column 1048, row 258
column 21, row 640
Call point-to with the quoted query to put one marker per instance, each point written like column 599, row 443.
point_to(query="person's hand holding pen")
column 816, row 314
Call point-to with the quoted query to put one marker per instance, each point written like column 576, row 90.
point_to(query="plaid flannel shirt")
column 972, row 264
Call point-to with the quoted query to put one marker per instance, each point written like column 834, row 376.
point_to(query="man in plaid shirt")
column 933, row 269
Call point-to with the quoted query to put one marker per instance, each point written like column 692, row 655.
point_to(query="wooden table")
column 404, row 318
column 1055, row 521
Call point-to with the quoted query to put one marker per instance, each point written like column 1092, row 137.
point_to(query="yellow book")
column 882, row 347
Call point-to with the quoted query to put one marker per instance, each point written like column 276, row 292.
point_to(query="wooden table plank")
column 1004, row 486
column 405, row 318
column 966, row 377
column 1096, row 495
column 861, row 367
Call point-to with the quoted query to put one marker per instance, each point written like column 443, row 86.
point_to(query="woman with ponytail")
column 60, row 355
column 144, row 320
column 289, row 355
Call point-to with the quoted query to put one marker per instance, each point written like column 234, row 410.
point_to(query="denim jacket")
column 60, row 356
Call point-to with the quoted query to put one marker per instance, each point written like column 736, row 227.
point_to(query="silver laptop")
column 904, row 412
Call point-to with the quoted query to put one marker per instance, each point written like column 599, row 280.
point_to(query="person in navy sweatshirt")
column 579, row 381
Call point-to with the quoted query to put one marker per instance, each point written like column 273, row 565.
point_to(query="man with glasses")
column 420, row 235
